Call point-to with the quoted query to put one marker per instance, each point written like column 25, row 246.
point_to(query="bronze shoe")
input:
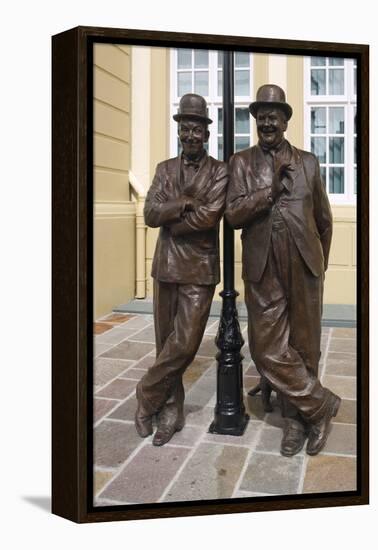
column 143, row 420
column 293, row 439
column 168, row 424
column 319, row 431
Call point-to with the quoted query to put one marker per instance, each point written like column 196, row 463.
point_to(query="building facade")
column 137, row 90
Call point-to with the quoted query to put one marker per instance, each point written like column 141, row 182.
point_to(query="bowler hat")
column 192, row 106
column 270, row 94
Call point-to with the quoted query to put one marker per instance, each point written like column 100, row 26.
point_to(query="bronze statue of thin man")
column 277, row 197
column 186, row 201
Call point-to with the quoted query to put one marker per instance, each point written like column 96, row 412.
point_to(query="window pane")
column 220, row 60
column 220, row 83
column 242, row 83
column 318, row 147
column 355, row 81
column 241, row 142
column 318, row 61
column 336, row 150
column 318, row 83
column 336, row 62
column 318, row 120
column 201, row 83
column 184, row 59
column 336, row 82
column 355, row 179
column 220, row 148
column 220, row 121
column 336, row 120
column 201, row 59
column 336, row 180
column 355, row 120
column 355, row 76
column 241, row 59
column 355, row 150
column 242, row 121
column 184, row 83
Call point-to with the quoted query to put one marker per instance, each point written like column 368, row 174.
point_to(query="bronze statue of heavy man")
column 186, row 200
column 277, row 197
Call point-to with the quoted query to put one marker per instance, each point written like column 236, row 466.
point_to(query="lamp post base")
column 230, row 417
column 219, row 426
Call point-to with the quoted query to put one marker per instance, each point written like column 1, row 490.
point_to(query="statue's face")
column 271, row 125
column 192, row 134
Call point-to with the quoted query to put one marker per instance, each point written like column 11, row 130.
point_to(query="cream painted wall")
column 341, row 277
column 295, row 96
column 159, row 133
column 114, row 213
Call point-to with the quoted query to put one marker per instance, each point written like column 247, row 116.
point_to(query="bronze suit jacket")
column 191, row 254
column 303, row 204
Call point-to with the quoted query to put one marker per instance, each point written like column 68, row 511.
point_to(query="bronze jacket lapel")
column 200, row 179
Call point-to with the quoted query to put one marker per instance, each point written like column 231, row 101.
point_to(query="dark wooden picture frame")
column 72, row 355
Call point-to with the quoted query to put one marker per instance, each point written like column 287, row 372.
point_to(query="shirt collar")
column 274, row 150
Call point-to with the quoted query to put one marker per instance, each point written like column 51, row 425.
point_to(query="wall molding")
column 114, row 209
column 344, row 213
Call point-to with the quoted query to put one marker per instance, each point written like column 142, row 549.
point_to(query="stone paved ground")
column 195, row 464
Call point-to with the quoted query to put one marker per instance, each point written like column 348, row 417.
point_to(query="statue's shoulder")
column 167, row 165
column 305, row 156
column 217, row 164
column 309, row 161
column 245, row 155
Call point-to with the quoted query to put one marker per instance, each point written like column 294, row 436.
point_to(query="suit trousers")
column 284, row 327
column 180, row 315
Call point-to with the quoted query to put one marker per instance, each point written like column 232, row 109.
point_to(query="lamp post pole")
column 229, row 415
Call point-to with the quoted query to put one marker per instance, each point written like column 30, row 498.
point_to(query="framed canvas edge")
column 72, row 312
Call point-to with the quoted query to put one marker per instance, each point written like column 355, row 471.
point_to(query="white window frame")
column 349, row 101
column 214, row 101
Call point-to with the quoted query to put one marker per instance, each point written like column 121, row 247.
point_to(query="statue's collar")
column 274, row 150
column 193, row 161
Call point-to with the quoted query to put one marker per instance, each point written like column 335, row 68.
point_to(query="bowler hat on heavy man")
column 192, row 106
column 270, row 94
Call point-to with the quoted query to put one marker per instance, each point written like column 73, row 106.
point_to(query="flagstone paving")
column 197, row 465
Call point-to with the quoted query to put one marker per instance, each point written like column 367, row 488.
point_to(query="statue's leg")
column 193, row 307
column 266, row 392
column 163, row 381
column 269, row 334
column 165, row 310
column 305, row 311
column 305, row 296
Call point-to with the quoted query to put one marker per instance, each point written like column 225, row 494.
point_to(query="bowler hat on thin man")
column 192, row 106
column 270, row 94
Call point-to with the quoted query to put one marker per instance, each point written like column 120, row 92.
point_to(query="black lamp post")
column 229, row 415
